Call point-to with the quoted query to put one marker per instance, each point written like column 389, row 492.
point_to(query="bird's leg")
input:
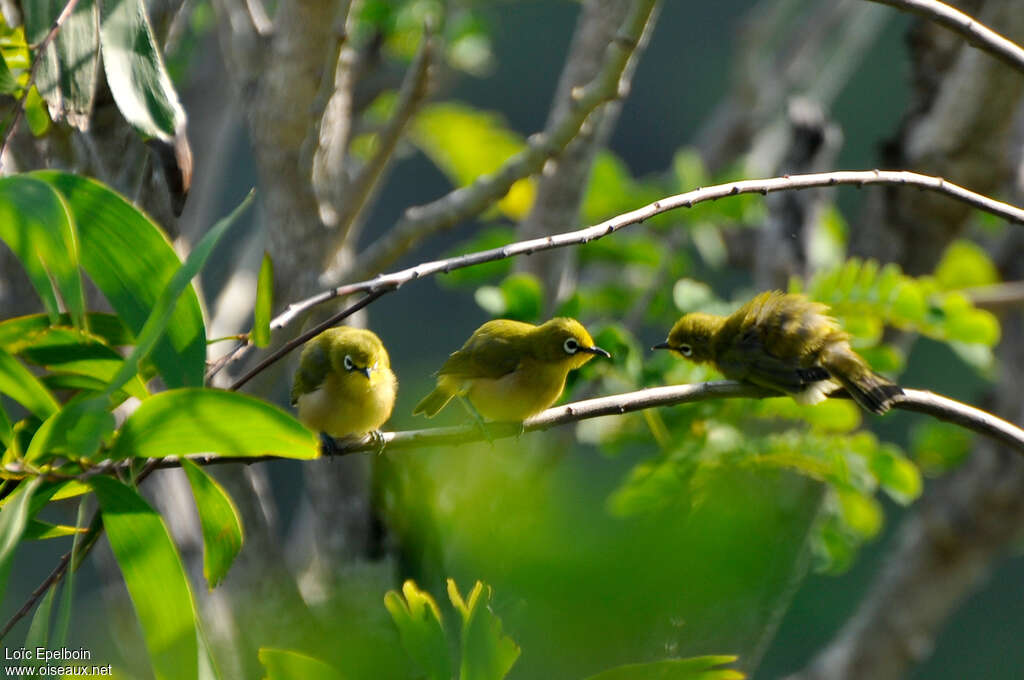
column 377, row 437
column 479, row 419
column 328, row 447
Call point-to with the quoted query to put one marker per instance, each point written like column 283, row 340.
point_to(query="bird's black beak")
column 597, row 351
column 365, row 371
column 661, row 345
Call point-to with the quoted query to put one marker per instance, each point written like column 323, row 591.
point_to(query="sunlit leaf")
column 466, row 143
column 38, row 530
column 219, row 520
column 77, row 430
column 163, row 309
column 135, row 71
column 694, row 668
column 35, row 223
column 147, row 558
column 487, row 653
column 421, row 630
column 131, row 262
column 200, row 420
column 19, row 332
column 965, row 264
column 264, row 303
column 283, row 664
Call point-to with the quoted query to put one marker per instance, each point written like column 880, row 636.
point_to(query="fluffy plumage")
column 784, row 342
column 344, row 385
column 510, row 370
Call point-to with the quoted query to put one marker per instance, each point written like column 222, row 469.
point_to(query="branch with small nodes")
column 40, row 49
column 976, row 33
column 387, row 283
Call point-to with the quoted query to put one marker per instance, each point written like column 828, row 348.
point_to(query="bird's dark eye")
column 571, row 346
column 349, row 364
column 685, row 350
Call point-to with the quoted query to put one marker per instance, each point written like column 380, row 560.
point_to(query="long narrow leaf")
column 13, row 519
column 63, row 625
column 36, row 224
column 164, row 307
column 693, row 668
column 39, row 629
column 155, row 579
column 284, row 664
column 18, row 383
column 130, row 260
column 221, row 525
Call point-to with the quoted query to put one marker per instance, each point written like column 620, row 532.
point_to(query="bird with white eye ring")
column 510, row 370
column 344, row 386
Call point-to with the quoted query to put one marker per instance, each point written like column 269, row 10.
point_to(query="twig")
column 998, row 296
column 918, row 401
column 859, row 178
column 40, row 50
column 463, row 203
column 356, row 194
column 971, row 29
column 316, row 330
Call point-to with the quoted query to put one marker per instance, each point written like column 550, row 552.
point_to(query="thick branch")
column 423, row 221
column 974, row 32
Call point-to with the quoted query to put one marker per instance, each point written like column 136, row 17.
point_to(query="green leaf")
column 524, row 296
column 19, row 332
column 283, row 664
column 163, row 310
column 964, row 265
column 67, row 350
column 39, row 630
column 131, row 262
column 8, row 83
column 135, row 71
column 264, row 303
column 421, row 630
column 154, row 576
column 35, row 223
column 898, row 476
column 218, row 517
column 485, row 239
column 64, row 614
column 35, row 113
column 201, row 420
column 77, row 430
column 693, row 668
column 487, row 653
column 19, row 384
column 466, row 143
column 37, row 530
column 67, row 73
column 5, row 428
column 13, row 519
column 692, row 296
column 939, row 447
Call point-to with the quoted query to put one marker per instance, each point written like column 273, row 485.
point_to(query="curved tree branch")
column 976, row 33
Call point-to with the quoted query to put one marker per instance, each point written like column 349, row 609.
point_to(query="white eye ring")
column 571, row 346
column 349, row 365
column 685, row 350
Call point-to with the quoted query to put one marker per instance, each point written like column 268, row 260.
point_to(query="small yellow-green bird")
column 344, row 385
column 784, row 342
column 510, row 370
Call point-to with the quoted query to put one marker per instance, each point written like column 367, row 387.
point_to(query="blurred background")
column 705, row 529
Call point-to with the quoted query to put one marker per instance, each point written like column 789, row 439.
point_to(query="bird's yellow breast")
column 529, row 389
column 349, row 404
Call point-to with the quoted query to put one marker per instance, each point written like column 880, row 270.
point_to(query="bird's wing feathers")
column 749, row 359
column 485, row 355
column 313, row 368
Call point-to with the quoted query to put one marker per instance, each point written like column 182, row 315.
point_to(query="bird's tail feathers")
column 867, row 388
column 434, row 402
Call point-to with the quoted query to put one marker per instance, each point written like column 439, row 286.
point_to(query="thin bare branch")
column 356, row 194
column 971, row 29
column 918, row 401
column 39, row 49
column 423, row 221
